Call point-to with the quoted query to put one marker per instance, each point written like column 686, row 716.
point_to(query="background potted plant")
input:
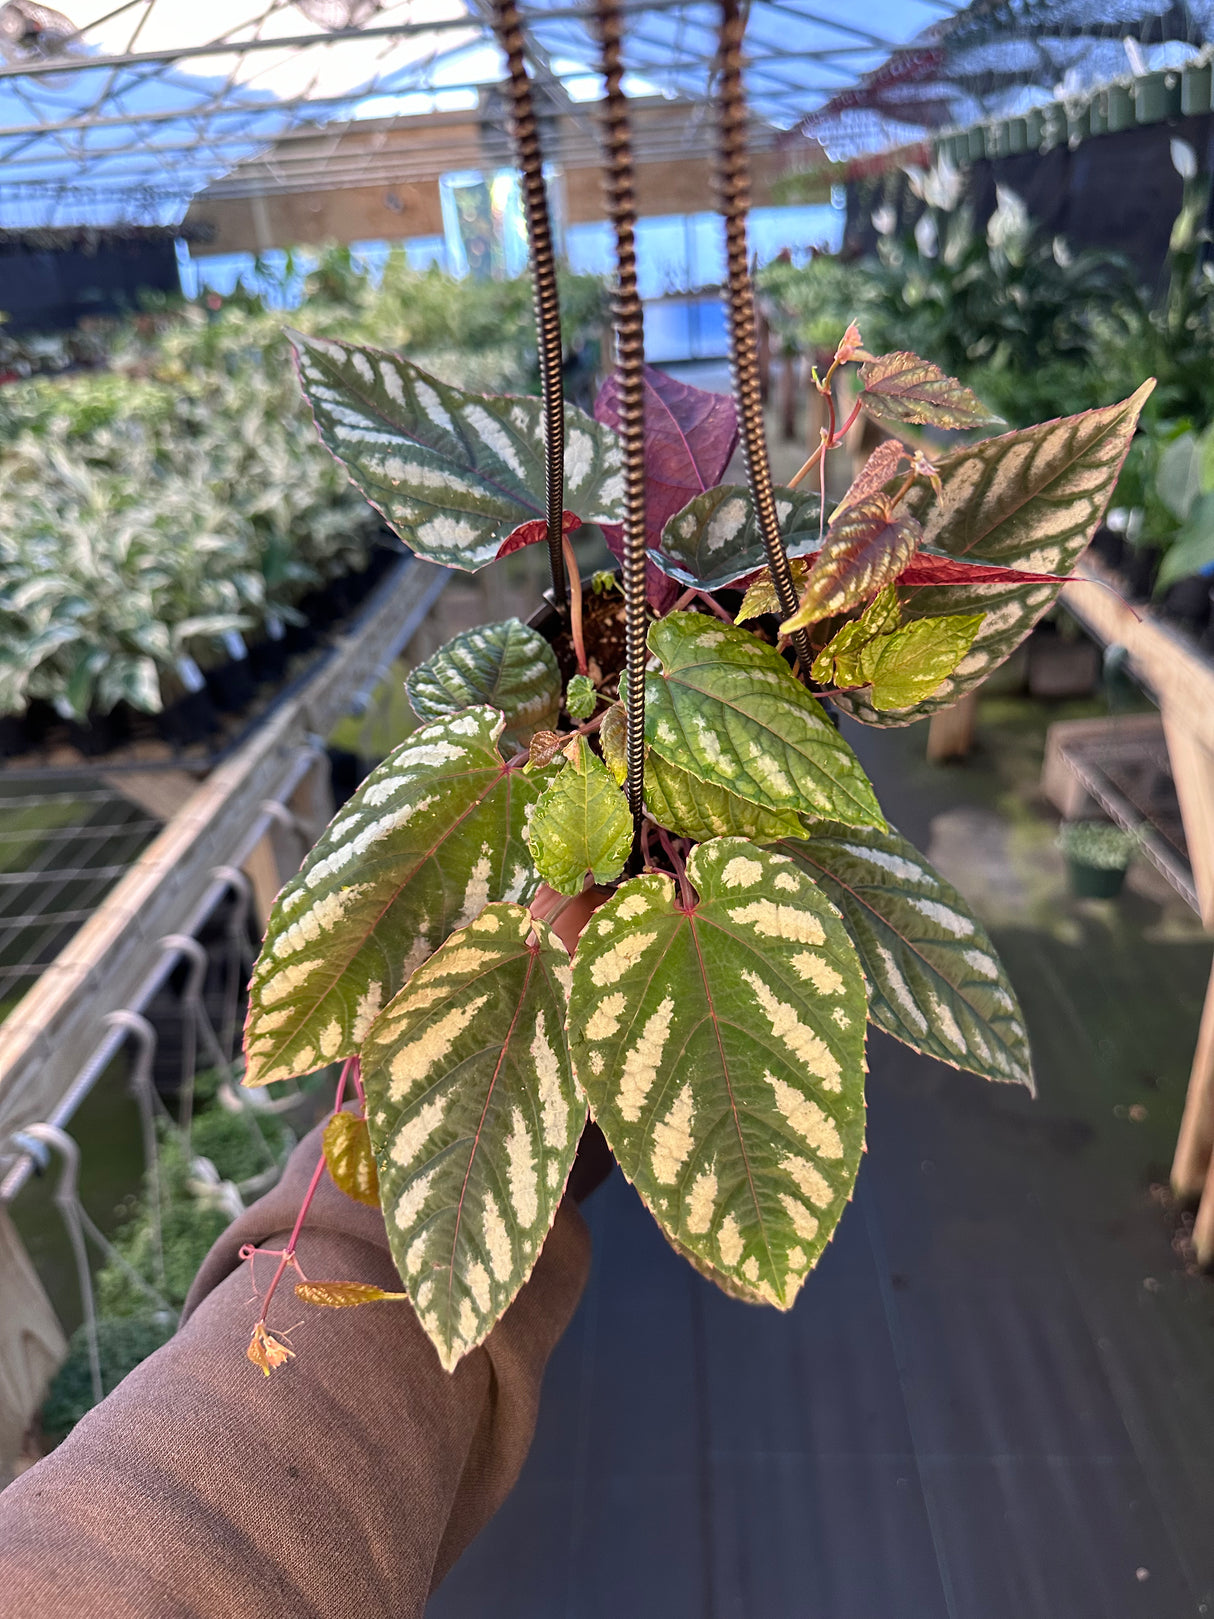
column 1098, row 855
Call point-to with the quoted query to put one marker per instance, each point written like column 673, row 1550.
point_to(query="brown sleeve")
column 346, row 1484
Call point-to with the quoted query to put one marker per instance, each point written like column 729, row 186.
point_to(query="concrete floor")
column 995, row 1396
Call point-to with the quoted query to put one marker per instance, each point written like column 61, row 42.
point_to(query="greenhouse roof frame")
column 123, row 113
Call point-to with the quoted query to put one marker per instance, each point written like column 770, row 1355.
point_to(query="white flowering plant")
column 751, row 910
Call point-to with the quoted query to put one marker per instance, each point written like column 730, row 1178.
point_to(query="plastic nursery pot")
column 14, row 736
column 1195, row 88
column 1139, row 567
column 1078, row 123
column 192, row 718
column 1109, row 546
column 1017, row 135
column 1098, row 114
column 1053, row 125
column 1034, row 123
column 1187, row 602
column 231, row 685
column 1094, row 882
column 1119, row 103
column 100, row 733
column 1156, row 97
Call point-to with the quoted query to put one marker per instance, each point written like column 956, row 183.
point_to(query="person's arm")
column 345, row 1484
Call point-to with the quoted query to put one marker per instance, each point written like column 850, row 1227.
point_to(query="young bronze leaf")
column 349, row 1159
column 726, row 708
column 581, row 825
column 722, row 1049
column 431, row 835
column 904, row 388
column 881, row 466
column 935, row 981
column 343, row 1295
column 1029, row 500
column 453, row 473
column 475, row 1120
column 507, row 666
column 695, row 809
column 864, row 550
column 715, row 540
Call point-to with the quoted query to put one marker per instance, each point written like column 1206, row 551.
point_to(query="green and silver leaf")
column 506, row 665
column 935, row 980
column 430, row 837
column 726, row 708
column 722, row 1049
column 581, row 825
column 1029, row 499
column 715, row 539
column 475, row 1120
column 453, row 473
column 693, row 809
column 903, row 388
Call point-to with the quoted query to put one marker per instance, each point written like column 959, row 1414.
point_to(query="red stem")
column 686, row 896
column 575, row 605
column 287, row 1257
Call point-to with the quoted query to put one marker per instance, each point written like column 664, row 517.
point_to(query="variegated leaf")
column 760, row 597
column 453, row 473
column 903, row 388
column 904, row 668
column 726, row 708
column 1030, row 499
column 475, row 1120
column 581, row 826
column 715, row 540
column 429, row 838
column 508, row 666
column 865, row 548
column 613, row 739
column 722, row 1049
column 695, row 809
column 349, row 1159
column 935, row 980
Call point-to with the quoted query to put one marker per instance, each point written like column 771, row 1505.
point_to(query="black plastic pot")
column 14, row 736
column 1109, row 546
column 1139, row 569
column 268, row 659
column 100, row 733
column 192, row 718
column 1187, row 602
column 1094, row 882
column 231, row 685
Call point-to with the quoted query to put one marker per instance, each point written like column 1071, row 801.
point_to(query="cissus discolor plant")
column 758, row 911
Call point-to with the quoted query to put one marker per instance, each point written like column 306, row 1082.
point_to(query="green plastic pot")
column 1195, row 88
column 1098, row 114
column 1017, row 135
column 1034, row 124
column 1156, row 97
column 1120, row 105
column 1053, row 125
column 1094, row 882
column 977, row 144
column 1078, row 124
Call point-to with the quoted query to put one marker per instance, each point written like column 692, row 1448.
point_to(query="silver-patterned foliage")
column 935, row 980
column 430, row 837
column 726, row 708
column 508, row 666
column 475, row 1120
column 694, row 809
column 722, row 1048
column 1029, row 499
column 715, row 539
column 453, row 473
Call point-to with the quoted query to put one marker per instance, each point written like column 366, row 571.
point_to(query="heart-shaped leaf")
column 475, row 1120
column 715, row 541
column 453, row 473
column 690, row 435
column 695, row 809
column 507, row 666
column 935, row 980
column 429, row 838
column 581, row 825
column 349, row 1159
column 726, row 707
column 722, row 1049
column 1029, row 499
column 865, row 548
column 903, row 388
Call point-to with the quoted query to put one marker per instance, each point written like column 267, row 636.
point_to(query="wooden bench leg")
column 1195, row 1145
column 950, row 733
